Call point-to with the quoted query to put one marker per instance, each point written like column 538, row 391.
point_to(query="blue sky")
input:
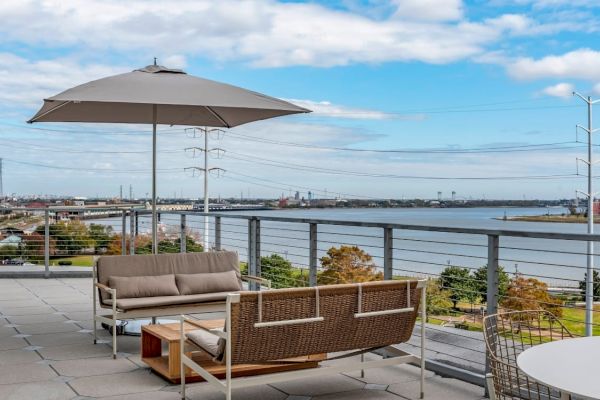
column 469, row 92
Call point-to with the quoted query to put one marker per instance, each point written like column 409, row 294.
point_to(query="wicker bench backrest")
column 340, row 329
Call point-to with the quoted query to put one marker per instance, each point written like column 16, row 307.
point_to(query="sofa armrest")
column 197, row 323
column 104, row 288
column 259, row 280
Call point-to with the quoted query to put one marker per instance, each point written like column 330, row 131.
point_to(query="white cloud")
column 262, row 33
column 597, row 89
column 328, row 109
column 431, row 10
column 577, row 64
column 559, row 90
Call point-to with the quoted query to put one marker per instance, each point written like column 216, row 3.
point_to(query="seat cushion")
column 143, row 286
column 207, row 283
column 158, row 301
column 212, row 344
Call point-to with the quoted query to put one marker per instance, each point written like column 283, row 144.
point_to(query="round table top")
column 569, row 365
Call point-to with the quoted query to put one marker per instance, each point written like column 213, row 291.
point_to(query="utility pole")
column 121, row 193
column 1, row 188
column 589, row 281
column 130, row 192
column 206, row 170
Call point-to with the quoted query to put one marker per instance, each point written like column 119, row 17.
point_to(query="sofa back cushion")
column 143, row 286
column 207, row 283
column 165, row 264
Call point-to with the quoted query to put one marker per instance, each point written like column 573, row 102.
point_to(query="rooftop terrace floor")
column 46, row 352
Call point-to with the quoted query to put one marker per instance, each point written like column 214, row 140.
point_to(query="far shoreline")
column 565, row 219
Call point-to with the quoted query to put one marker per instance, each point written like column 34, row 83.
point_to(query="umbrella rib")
column 32, row 120
column 216, row 115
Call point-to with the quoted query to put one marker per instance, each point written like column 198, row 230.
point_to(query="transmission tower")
column 589, row 281
column 195, row 132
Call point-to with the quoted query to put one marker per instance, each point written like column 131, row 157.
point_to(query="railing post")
column 492, row 292
column 492, row 274
column 47, row 243
column 388, row 253
column 132, row 231
column 251, row 251
column 312, row 262
column 257, row 264
column 217, row 233
column 182, row 236
column 137, row 224
column 124, row 232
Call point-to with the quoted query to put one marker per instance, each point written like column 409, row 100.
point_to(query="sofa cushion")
column 159, row 301
column 143, row 286
column 212, row 344
column 162, row 264
column 207, row 283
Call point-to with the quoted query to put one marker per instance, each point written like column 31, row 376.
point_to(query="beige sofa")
column 149, row 286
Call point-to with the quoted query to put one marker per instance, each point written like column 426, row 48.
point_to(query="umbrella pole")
column 154, row 219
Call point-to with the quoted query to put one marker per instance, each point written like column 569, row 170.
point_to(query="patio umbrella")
column 159, row 95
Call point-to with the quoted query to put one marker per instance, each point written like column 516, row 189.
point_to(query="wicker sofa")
column 150, row 286
column 262, row 327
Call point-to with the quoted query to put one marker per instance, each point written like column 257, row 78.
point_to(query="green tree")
column 480, row 282
column 458, row 282
column 101, row 235
column 438, row 300
column 596, row 291
column 347, row 264
column 278, row 270
column 71, row 236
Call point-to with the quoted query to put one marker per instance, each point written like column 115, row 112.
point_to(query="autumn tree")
column 347, row 264
column 530, row 294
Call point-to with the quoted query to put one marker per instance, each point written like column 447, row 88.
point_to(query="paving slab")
column 361, row 395
column 22, row 373
column 7, row 331
column 11, row 342
column 93, row 366
column 390, row 375
column 49, row 390
column 60, row 339
column 157, row 395
column 117, row 384
column 37, row 310
column 438, row 388
column 28, row 302
column 72, row 352
column 18, row 356
column 45, row 328
column 36, row 319
column 203, row 391
column 319, row 385
column 67, row 308
column 74, row 299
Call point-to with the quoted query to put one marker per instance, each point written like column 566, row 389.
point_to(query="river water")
column 416, row 253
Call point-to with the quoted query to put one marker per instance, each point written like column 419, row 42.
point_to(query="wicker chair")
column 281, row 324
column 506, row 336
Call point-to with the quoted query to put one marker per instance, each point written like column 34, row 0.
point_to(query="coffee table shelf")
column 168, row 365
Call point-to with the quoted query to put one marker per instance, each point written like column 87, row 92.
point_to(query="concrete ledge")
column 43, row 274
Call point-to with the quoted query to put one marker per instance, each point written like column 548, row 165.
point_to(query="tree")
column 438, row 300
column 530, row 294
column 458, row 282
column 480, row 282
column 347, row 264
column 596, row 280
column 101, row 235
column 71, row 236
column 278, row 270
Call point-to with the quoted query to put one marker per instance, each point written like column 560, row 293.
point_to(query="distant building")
column 297, row 196
column 12, row 241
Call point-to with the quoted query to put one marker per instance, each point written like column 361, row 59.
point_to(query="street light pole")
column 589, row 281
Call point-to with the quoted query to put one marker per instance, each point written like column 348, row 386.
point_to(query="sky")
column 409, row 97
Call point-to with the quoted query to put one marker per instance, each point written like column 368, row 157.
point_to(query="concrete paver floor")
column 46, row 352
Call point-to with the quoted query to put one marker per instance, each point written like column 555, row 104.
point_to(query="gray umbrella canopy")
column 158, row 95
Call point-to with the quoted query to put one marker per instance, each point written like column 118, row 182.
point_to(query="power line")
column 88, row 169
column 475, row 150
column 303, row 167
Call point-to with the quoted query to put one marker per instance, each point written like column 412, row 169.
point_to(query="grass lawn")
column 573, row 319
column 77, row 261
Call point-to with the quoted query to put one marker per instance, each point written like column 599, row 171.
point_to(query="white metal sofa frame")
column 227, row 384
column 154, row 312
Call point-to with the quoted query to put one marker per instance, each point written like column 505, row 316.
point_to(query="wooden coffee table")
column 168, row 365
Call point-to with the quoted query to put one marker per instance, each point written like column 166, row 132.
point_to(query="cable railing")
column 471, row 271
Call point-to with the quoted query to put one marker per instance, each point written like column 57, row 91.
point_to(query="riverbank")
column 568, row 219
